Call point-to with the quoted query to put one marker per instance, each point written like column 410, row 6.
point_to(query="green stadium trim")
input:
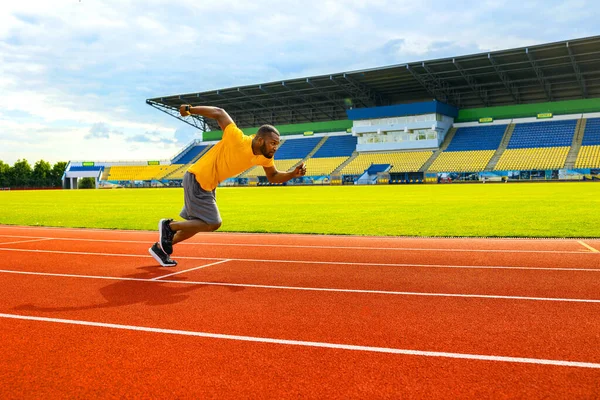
column 530, row 110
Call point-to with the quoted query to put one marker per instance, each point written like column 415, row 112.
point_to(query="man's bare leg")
column 187, row 229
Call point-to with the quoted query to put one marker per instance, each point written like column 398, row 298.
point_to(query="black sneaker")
column 166, row 234
column 161, row 257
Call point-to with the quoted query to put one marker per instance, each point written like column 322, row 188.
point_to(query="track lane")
column 579, row 259
column 576, row 284
column 261, row 239
column 552, row 330
column 58, row 361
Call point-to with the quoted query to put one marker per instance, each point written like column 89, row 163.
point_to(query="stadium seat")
column 477, row 138
column 462, row 161
column 190, row 154
column 543, row 134
column 533, row 158
column 589, row 157
column 337, row 146
column 323, row 166
column 140, row 172
column 407, row 161
column 281, row 165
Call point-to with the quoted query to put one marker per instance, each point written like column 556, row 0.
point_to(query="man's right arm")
column 223, row 119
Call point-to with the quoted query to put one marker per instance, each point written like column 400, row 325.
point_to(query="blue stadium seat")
column 296, row 148
column 82, row 169
column 337, row 146
column 591, row 136
column 543, row 134
column 477, row 138
column 190, row 154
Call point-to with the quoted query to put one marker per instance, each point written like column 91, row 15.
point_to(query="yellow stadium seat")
column 589, row 157
column 323, row 166
column 533, row 158
column 462, row 161
column 407, row 161
column 281, row 165
column 140, row 172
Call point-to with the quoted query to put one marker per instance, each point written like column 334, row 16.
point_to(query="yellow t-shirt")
column 231, row 156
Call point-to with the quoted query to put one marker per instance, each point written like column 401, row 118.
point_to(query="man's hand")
column 223, row 119
column 299, row 171
column 183, row 110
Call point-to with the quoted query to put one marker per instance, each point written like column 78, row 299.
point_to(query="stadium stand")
column 198, row 151
column 477, row 138
column 407, row 161
column 190, row 154
column 543, row 134
column 538, row 145
column 333, row 152
column 290, row 153
column 323, row 166
column 462, row 161
column 533, row 158
column 281, row 165
column 105, row 174
column 589, row 157
column 589, row 154
column 470, row 150
column 380, row 101
column 297, row 148
column 81, row 168
column 140, row 172
column 337, row 146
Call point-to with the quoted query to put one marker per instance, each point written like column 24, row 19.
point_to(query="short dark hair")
column 266, row 129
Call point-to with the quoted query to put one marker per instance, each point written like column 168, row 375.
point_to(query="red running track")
column 87, row 313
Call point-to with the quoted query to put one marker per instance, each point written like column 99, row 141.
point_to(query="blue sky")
column 74, row 75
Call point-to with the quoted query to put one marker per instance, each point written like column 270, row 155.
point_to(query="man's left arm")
column 275, row 176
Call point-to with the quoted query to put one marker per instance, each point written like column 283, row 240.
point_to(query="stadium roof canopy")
column 549, row 72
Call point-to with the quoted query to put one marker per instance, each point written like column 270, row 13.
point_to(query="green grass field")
column 494, row 210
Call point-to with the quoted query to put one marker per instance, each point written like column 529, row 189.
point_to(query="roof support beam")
column 435, row 87
column 540, row 75
column 481, row 93
column 511, row 87
column 309, row 103
column 255, row 117
column 375, row 97
column 292, row 110
column 580, row 78
column 239, row 119
column 450, row 94
column 196, row 121
column 353, row 95
column 336, row 102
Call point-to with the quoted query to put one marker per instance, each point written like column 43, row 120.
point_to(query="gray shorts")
column 198, row 203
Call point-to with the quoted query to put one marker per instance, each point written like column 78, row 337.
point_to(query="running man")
column 234, row 154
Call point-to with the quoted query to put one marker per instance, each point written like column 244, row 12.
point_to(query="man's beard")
column 265, row 153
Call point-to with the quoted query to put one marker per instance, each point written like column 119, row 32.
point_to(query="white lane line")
column 298, row 235
column 319, row 246
column 589, row 247
column 325, row 345
column 26, row 241
column 499, row 267
column 312, row 289
column 191, row 269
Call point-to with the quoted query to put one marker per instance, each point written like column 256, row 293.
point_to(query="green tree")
column 21, row 173
column 87, row 183
column 5, row 178
column 57, row 172
column 42, row 174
